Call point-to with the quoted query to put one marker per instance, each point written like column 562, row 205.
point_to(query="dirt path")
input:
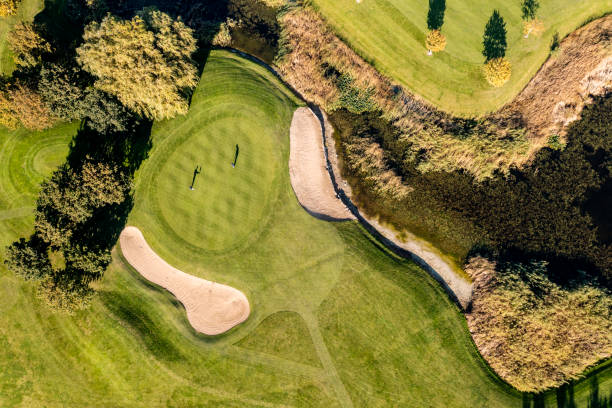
column 308, row 171
column 212, row 308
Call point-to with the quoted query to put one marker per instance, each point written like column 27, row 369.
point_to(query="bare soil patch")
column 212, row 308
column 308, row 170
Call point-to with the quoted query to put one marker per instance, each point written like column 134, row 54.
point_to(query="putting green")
column 336, row 320
column 394, row 42
column 227, row 203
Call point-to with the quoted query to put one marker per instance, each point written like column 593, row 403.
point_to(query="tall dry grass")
column 533, row 332
column 313, row 60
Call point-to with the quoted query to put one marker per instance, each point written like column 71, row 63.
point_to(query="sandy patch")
column 308, row 170
column 212, row 308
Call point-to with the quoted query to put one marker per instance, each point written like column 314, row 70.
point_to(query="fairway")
column 336, row 321
column 452, row 80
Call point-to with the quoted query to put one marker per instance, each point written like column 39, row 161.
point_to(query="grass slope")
column 383, row 331
column 395, row 37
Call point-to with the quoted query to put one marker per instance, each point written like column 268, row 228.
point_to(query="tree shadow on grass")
column 134, row 316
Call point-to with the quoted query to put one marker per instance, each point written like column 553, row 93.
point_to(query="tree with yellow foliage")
column 497, row 71
column 435, row 42
column 8, row 8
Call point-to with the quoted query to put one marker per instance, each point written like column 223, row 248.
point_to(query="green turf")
column 359, row 325
column 26, row 12
column 277, row 329
column 391, row 34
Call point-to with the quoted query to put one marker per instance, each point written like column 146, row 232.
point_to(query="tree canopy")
column 529, row 8
column 145, row 62
column 435, row 15
column 494, row 40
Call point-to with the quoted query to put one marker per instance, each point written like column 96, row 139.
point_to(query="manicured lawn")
column 391, row 34
column 335, row 318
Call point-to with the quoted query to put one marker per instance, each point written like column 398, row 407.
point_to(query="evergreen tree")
column 435, row 15
column 494, row 40
column 529, row 9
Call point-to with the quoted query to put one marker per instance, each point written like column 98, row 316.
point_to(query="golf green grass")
column 391, row 35
column 336, row 320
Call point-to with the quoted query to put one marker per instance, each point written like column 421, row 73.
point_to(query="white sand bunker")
column 212, row 308
column 307, row 169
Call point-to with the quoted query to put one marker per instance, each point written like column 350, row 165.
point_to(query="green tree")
column 28, row 258
column 27, row 45
column 103, row 113
column 435, row 15
column 145, row 62
column 529, row 8
column 61, row 89
column 494, row 40
column 69, row 198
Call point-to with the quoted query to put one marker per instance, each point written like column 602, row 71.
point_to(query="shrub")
column 8, row 7
column 63, row 294
column 435, row 41
column 497, row 71
column 535, row 333
column 145, row 62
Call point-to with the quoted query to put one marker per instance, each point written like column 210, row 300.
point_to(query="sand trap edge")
column 212, row 308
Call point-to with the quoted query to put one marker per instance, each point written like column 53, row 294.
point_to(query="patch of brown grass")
column 534, row 333
column 313, row 60
column 556, row 95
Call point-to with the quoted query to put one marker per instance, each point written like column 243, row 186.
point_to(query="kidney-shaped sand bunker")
column 212, row 308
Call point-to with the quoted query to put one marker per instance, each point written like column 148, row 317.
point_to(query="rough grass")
column 316, row 63
column 394, row 42
column 384, row 332
column 535, row 333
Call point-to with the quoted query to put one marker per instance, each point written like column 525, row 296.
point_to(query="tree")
column 7, row 115
column 27, row 45
column 29, row 107
column 8, row 7
column 529, row 9
column 61, row 89
column 435, row 15
column 494, row 40
column 497, row 71
column 435, row 41
column 145, row 62
column 69, row 198
column 28, row 259
column 103, row 113
column 63, row 293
